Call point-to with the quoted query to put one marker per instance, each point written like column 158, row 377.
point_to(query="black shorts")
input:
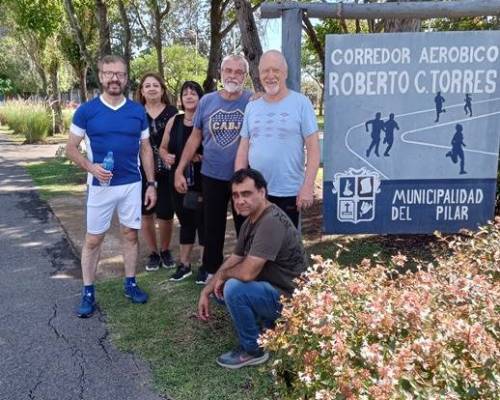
column 164, row 208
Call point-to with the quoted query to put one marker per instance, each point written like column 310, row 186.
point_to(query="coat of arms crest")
column 356, row 191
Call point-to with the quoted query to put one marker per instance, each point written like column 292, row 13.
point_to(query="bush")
column 375, row 332
column 67, row 118
column 30, row 119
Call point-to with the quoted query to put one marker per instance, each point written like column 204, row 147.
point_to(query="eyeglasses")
column 110, row 74
column 230, row 71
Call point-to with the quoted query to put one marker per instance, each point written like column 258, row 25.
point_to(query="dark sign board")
column 411, row 131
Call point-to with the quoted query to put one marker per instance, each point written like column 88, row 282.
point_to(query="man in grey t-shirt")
column 216, row 125
column 268, row 256
column 275, row 130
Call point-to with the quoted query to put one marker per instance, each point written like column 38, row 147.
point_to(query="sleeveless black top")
column 156, row 131
column 157, row 125
column 179, row 135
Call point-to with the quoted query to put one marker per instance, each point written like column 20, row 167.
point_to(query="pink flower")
column 399, row 259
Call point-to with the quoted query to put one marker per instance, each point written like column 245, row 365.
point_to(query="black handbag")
column 192, row 200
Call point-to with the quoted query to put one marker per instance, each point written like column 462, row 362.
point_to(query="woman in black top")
column 188, row 207
column 152, row 93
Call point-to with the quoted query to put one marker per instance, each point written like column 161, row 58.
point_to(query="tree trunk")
column 159, row 58
column 403, row 24
column 82, row 78
column 158, row 41
column 158, row 17
column 104, row 32
column 214, row 60
column 316, row 43
column 78, row 35
column 127, row 35
column 33, row 50
column 215, row 55
column 55, row 98
column 250, row 40
column 43, row 78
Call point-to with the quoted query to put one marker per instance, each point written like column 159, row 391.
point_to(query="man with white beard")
column 216, row 125
column 275, row 130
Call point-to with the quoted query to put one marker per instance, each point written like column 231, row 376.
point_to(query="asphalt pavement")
column 46, row 352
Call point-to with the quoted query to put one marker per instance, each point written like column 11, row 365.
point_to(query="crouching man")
column 267, row 258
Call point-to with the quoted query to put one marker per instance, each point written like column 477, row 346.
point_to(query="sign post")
column 412, row 131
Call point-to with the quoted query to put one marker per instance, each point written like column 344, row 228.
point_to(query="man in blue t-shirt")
column 111, row 123
column 275, row 130
column 217, row 125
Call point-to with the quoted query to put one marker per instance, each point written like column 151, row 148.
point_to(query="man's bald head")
column 273, row 71
column 275, row 55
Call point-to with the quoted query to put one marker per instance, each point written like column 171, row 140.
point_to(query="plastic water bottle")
column 108, row 164
column 190, row 175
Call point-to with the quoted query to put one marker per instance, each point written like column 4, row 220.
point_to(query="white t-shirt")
column 276, row 133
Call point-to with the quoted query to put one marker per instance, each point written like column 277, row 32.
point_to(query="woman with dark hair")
column 188, row 207
column 152, row 93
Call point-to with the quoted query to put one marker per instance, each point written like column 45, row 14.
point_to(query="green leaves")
column 41, row 17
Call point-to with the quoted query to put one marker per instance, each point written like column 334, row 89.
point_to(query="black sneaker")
column 202, row 276
column 153, row 263
column 167, row 260
column 182, row 273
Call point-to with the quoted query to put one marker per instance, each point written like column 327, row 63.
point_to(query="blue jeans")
column 250, row 303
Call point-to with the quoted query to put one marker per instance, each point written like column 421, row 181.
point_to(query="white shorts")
column 102, row 202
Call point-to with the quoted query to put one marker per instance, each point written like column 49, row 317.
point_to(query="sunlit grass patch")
column 57, row 177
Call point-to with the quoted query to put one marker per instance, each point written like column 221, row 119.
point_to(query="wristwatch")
column 152, row 183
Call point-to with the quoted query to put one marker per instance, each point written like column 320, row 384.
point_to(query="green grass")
column 57, row 177
column 180, row 348
column 352, row 253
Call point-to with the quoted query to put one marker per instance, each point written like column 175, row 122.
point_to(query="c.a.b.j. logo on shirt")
column 225, row 126
column 356, row 194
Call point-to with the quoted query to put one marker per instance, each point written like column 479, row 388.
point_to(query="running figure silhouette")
column 468, row 105
column 439, row 100
column 457, row 152
column 377, row 127
column 389, row 127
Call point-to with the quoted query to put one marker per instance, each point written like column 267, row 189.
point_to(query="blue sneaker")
column 135, row 294
column 239, row 358
column 87, row 306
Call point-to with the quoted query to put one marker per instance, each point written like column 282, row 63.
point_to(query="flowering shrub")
column 364, row 333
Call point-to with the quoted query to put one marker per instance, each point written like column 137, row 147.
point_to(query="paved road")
column 46, row 353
